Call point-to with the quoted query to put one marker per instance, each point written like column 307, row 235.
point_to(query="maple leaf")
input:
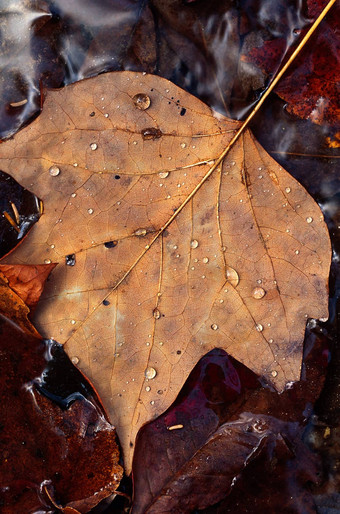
column 165, row 251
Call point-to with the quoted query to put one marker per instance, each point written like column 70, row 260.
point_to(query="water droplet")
column 270, row 340
column 74, row 195
column 214, row 326
column 110, row 244
column 73, row 321
column 205, row 260
column 274, row 373
column 152, row 402
column 47, row 261
column 309, row 219
column 75, row 164
column 288, row 190
column 93, row 146
column 232, row 276
column 150, row 373
column 160, row 343
column 141, row 101
column 194, row 243
column 52, row 246
column 297, row 252
column 140, row 232
column 90, row 211
column 151, row 133
column 74, row 360
column 163, row 174
column 183, row 145
column 70, row 259
column 54, row 171
column 156, row 313
column 258, row 293
column 259, row 327
column 147, row 389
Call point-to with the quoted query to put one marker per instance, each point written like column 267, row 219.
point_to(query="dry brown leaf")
column 139, row 300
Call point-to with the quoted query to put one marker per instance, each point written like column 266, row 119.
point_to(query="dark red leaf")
column 171, row 451
column 62, row 449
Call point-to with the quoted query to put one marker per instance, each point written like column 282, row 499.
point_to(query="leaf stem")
column 251, row 115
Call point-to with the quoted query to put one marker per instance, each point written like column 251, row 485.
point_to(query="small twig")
column 11, row 221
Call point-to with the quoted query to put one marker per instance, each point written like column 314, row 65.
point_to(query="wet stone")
column 151, row 133
column 141, row 101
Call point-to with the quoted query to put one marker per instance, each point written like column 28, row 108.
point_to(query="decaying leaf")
column 214, row 469
column 43, row 440
column 61, row 452
column 158, row 263
column 20, row 290
column 218, row 392
column 26, row 281
column 310, row 88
